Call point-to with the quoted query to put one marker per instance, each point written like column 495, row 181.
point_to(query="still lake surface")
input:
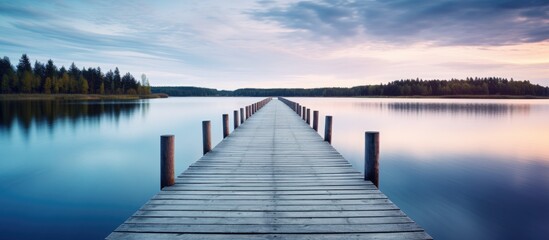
column 462, row 169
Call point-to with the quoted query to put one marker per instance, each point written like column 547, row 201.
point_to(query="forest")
column 48, row 79
column 489, row 86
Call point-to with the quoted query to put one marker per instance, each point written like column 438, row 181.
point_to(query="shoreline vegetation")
column 77, row 97
column 47, row 82
column 48, row 79
column 492, row 87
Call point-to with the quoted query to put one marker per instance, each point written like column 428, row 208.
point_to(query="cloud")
column 284, row 43
column 19, row 11
column 444, row 22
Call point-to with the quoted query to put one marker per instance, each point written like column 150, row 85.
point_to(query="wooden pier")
column 273, row 177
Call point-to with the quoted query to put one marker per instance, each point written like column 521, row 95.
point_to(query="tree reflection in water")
column 47, row 113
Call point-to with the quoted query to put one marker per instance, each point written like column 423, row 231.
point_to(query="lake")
column 461, row 168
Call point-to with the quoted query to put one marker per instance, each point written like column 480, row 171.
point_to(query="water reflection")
column 45, row 114
column 471, row 108
column 462, row 169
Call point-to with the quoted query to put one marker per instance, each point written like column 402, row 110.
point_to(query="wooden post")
column 206, row 137
column 247, row 112
column 241, row 115
column 308, row 116
column 315, row 120
column 304, row 113
column 235, row 118
column 225, row 118
column 299, row 109
column 328, row 129
column 167, row 169
column 371, row 158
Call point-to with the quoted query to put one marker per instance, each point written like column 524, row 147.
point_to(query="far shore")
column 405, row 97
column 464, row 97
column 92, row 97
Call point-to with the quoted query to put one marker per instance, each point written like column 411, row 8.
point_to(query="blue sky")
column 242, row 43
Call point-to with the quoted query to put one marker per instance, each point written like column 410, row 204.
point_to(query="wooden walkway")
column 273, row 178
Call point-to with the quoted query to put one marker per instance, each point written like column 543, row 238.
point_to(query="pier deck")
column 272, row 178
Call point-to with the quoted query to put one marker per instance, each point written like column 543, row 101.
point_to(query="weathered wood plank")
column 354, row 236
column 309, row 214
column 279, row 202
column 274, row 221
column 281, row 197
column 268, row 208
column 268, row 228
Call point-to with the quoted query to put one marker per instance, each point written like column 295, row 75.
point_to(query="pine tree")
column 48, row 85
column 83, row 85
column 5, row 86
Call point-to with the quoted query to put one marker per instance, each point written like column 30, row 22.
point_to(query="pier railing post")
column 241, row 115
column 167, row 169
column 315, row 120
column 206, row 137
column 225, row 125
column 309, row 116
column 371, row 157
column 235, row 118
column 247, row 112
column 328, row 129
column 304, row 111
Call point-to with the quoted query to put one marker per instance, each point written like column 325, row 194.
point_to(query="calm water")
column 463, row 169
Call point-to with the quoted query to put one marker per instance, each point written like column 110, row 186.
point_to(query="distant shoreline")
column 93, row 97
column 463, row 97
column 39, row 96
column 404, row 97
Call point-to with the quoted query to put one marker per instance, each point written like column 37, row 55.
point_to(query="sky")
column 290, row 43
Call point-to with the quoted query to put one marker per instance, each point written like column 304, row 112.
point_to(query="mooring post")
column 225, row 125
column 206, row 137
column 299, row 109
column 247, row 113
column 235, row 118
column 371, row 157
column 328, row 129
column 167, row 169
column 315, row 120
column 304, row 113
column 241, row 115
column 309, row 116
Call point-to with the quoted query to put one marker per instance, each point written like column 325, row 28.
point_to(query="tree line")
column 489, row 86
column 48, row 79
